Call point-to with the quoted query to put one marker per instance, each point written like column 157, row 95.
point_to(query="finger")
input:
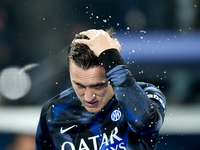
column 103, row 32
column 119, row 48
column 89, row 33
column 119, row 45
column 117, row 41
column 82, row 41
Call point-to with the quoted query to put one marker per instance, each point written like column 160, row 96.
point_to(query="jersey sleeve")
column 143, row 104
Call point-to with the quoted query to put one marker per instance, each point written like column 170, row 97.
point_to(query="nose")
column 89, row 95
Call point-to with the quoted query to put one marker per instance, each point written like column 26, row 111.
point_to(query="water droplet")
column 142, row 31
column 105, row 20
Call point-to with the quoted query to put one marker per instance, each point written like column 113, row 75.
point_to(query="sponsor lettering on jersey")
column 112, row 142
column 157, row 98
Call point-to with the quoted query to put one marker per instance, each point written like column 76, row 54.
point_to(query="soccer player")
column 106, row 109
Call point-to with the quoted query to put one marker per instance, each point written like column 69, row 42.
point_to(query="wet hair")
column 82, row 55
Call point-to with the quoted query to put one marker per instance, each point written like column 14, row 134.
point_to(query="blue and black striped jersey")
column 130, row 121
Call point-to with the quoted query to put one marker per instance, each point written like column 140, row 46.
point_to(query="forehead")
column 91, row 75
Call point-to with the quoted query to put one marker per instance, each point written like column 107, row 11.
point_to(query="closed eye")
column 99, row 85
column 95, row 86
column 80, row 85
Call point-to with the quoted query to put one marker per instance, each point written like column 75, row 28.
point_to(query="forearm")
column 140, row 113
column 124, row 85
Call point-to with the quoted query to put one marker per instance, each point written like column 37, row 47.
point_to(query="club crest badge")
column 116, row 115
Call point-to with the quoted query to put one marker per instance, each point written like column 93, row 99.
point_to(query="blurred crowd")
column 17, row 142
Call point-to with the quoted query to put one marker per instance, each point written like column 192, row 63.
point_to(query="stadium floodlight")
column 15, row 83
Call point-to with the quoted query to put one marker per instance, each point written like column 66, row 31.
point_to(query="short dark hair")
column 82, row 55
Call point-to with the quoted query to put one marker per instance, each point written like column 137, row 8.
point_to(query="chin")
column 93, row 110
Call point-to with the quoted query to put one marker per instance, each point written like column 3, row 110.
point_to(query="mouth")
column 92, row 104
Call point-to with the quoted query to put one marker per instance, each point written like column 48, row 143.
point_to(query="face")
column 91, row 86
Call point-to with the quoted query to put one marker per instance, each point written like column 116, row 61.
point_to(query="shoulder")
column 61, row 101
column 67, row 92
column 150, row 88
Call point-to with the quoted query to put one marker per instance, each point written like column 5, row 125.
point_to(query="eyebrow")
column 93, row 85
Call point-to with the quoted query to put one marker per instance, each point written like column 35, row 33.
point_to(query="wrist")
column 111, row 58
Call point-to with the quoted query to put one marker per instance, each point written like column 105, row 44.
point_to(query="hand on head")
column 99, row 41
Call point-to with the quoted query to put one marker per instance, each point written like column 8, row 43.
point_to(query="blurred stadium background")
column 160, row 44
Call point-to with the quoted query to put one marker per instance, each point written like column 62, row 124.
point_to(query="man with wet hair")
column 106, row 108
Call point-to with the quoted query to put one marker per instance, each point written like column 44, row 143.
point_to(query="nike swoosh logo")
column 67, row 129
